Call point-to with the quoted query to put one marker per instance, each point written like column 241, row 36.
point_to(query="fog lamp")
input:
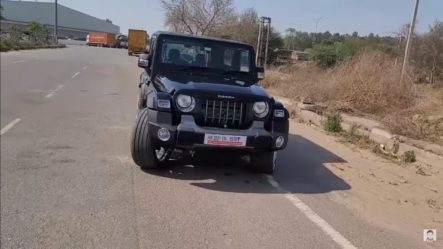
column 279, row 141
column 163, row 134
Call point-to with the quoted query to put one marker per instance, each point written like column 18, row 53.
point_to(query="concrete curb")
column 425, row 152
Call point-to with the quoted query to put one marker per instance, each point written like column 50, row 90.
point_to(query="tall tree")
column 196, row 16
column 242, row 27
column 428, row 52
column 1, row 12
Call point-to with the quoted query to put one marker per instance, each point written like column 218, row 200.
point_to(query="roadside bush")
column 329, row 54
column 333, row 123
column 368, row 83
column 5, row 44
column 409, row 156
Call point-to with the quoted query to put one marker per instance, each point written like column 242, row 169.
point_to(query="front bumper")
column 188, row 135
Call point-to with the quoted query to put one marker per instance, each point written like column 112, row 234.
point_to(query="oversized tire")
column 144, row 153
column 264, row 162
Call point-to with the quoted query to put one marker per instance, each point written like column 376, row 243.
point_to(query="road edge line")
column 10, row 126
column 312, row 216
column 49, row 95
column 75, row 75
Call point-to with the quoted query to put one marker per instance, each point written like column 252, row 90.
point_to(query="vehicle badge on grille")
column 225, row 97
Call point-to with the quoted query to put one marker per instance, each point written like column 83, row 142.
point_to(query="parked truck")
column 100, row 39
column 137, row 41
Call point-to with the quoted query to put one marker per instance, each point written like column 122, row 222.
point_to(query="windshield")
column 219, row 56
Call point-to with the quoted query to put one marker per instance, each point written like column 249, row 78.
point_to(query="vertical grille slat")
column 206, row 111
column 213, row 111
column 220, row 112
column 241, row 112
column 233, row 116
column 227, row 113
column 223, row 113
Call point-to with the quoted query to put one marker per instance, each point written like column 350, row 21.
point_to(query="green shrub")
column 333, row 123
column 329, row 54
column 5, row 44
column 409, row 156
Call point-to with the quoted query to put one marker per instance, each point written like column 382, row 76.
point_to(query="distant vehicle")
column 286, row 56
column 121, row 41
column 100, row 39
column 137, row 41
column 210, row 102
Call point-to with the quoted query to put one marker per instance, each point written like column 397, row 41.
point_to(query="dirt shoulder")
column 403, row 197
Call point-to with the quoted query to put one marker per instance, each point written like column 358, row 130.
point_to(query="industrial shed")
column 71, row 23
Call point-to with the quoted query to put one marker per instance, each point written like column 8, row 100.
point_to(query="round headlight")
column 261, row 109
column 185, row 103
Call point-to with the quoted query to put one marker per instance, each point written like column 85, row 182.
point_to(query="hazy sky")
column 344, row 16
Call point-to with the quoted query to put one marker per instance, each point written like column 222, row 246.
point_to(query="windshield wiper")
column 198, row 70
column 235, row 72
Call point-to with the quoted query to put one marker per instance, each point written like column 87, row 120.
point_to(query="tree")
column 38, row 32
column 328, row 54
column 275, row 42
column 290, row 38
column 428, row 52
column 196, row 16
column 15, row 34
column 242, row 27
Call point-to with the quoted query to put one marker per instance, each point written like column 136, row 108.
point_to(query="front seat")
column 200, row 60
column 174, row 57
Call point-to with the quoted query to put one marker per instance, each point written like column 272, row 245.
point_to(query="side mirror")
column 143, row 61
column 260, row 73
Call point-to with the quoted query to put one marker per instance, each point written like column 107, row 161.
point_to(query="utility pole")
column 409, row 41
column 55, row 22
column 261, row 56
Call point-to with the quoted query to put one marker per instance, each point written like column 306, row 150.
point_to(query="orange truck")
column 137, row 41
column 100, row 39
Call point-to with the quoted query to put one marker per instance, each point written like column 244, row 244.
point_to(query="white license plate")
column 225, row 140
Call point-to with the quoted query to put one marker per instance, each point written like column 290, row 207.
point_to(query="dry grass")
column 424, row 120
column 367, row 85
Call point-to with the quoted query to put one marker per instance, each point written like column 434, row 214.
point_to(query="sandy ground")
column 404, row 197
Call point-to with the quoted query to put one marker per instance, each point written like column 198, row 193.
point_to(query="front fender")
column 280, row 124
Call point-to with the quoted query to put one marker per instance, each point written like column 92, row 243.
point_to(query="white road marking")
column 54, row 91
column 17, row 62
column 85, row 67
column 10, row 126
column 312, row 216
column 75, row 75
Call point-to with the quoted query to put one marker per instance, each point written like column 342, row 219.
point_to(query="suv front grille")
column 223, row 113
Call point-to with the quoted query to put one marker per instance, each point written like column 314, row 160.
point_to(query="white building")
column 71, row 23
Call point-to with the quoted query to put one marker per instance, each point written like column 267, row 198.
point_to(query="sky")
column 383, row 17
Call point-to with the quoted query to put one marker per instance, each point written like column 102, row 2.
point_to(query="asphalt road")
column 68, row 181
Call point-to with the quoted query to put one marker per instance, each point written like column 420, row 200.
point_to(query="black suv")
column 200, row 93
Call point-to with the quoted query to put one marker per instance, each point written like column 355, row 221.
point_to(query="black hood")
column 209, row 85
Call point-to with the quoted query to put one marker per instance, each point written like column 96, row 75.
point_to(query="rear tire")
column 264, row 162
column 144, row 153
